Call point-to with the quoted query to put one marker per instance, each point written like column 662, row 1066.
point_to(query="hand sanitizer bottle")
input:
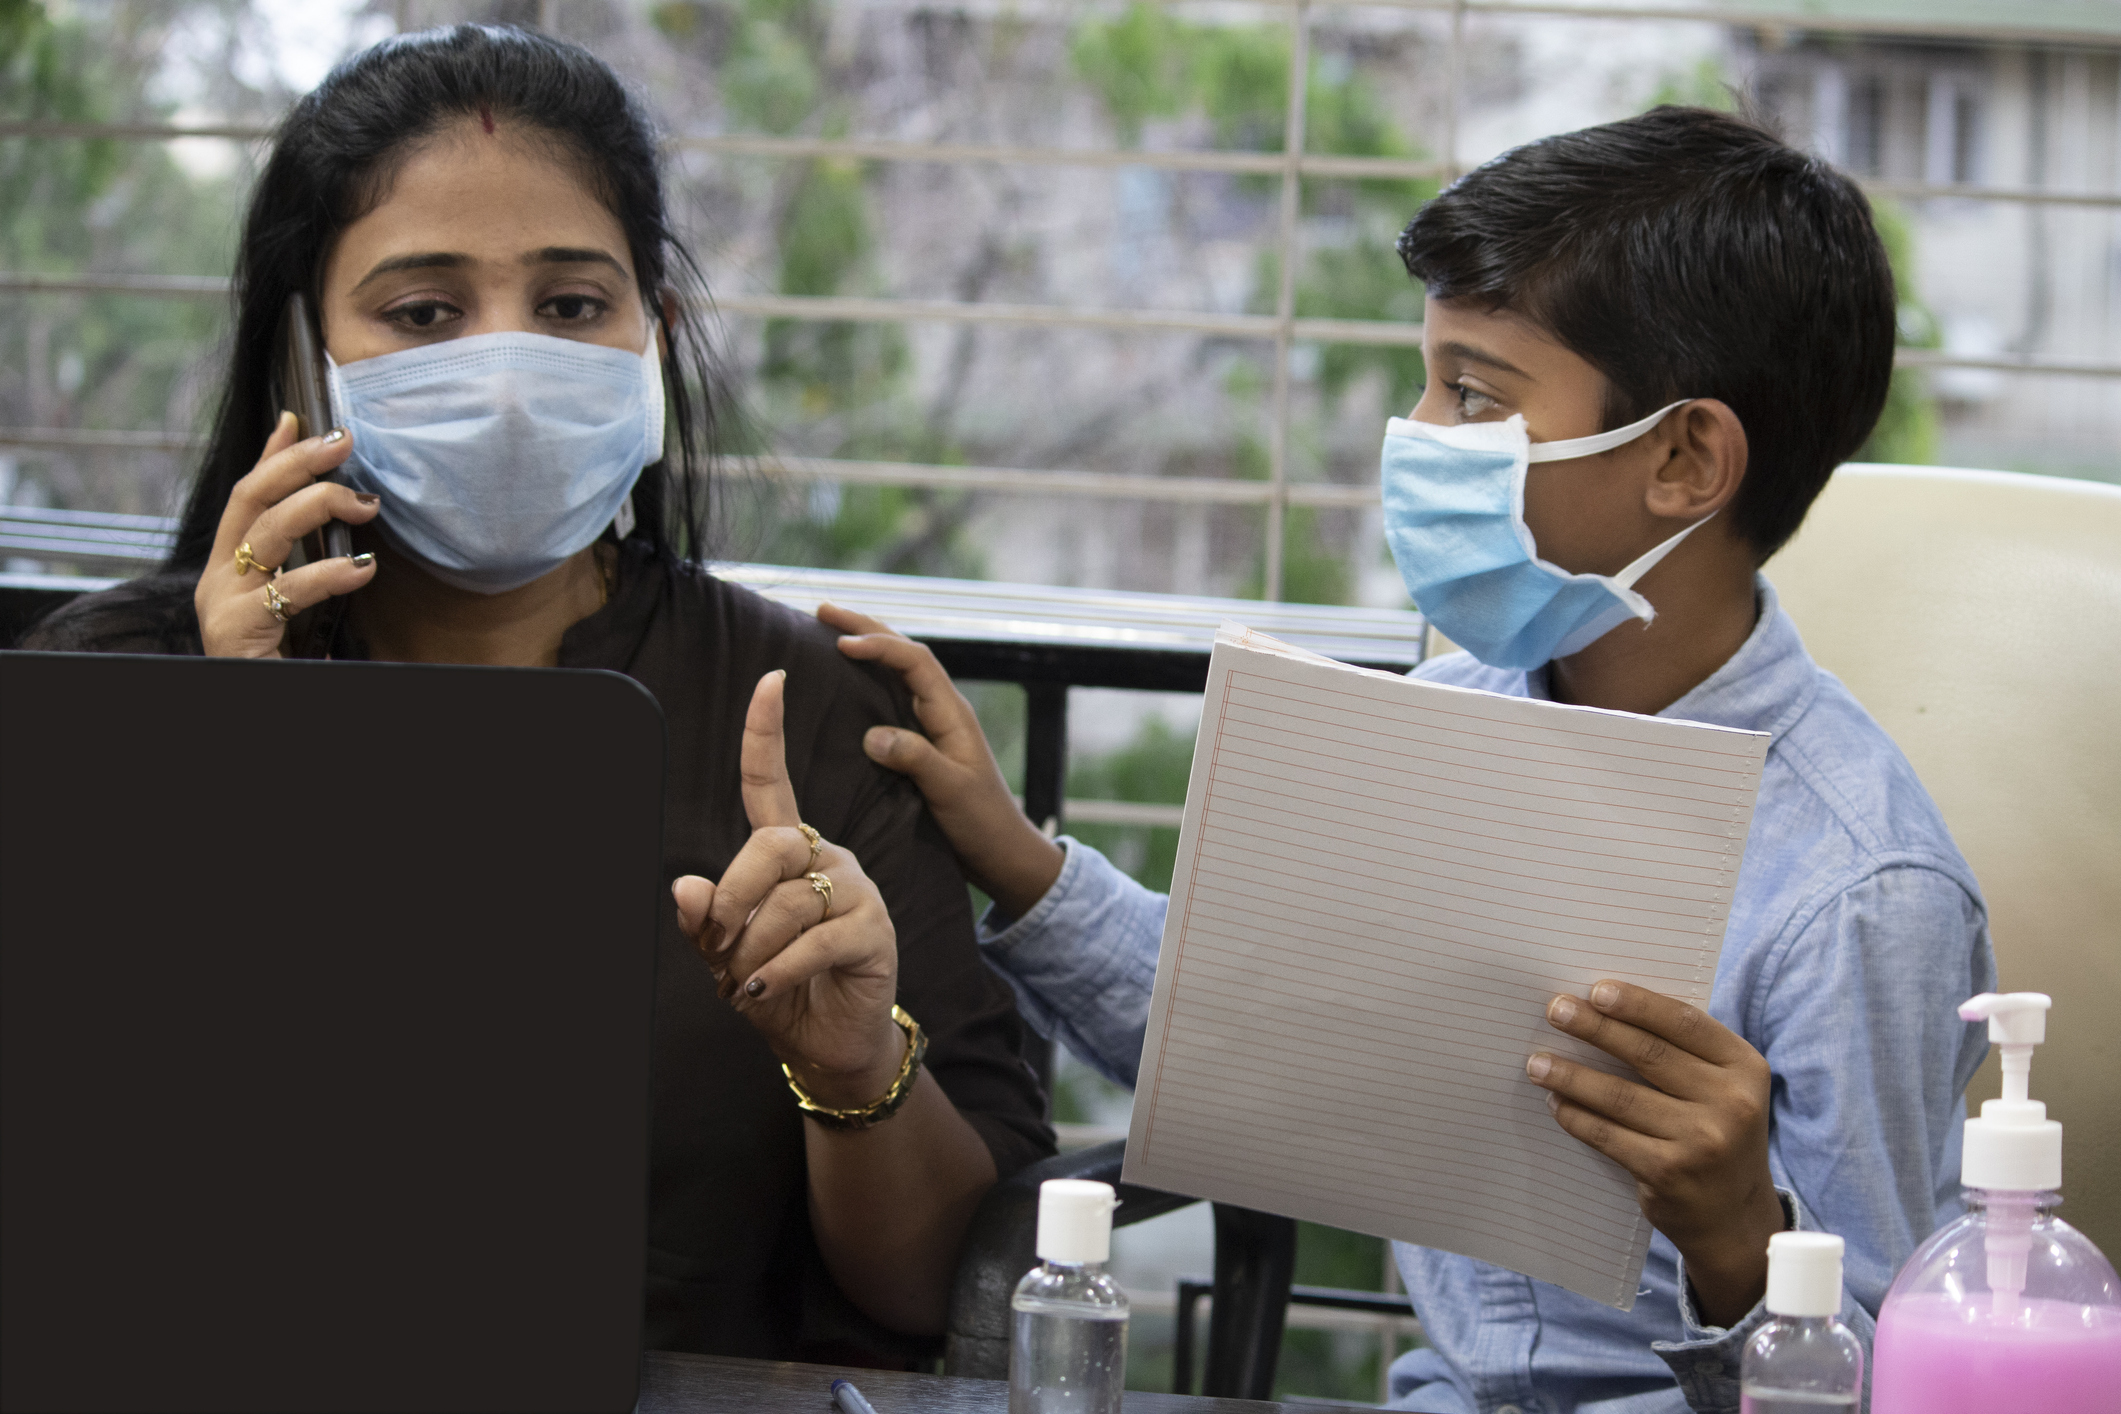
column 1804, row 1361
column 1068, row 1353
column 2008, row 1310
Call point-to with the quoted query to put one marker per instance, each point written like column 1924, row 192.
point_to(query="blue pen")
column 849, row 1399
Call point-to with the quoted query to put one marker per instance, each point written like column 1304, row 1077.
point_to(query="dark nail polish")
column 363, row 560
column 754, row 988
column 366, row 498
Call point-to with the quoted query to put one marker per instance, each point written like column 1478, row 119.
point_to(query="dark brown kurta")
column 732, row 1266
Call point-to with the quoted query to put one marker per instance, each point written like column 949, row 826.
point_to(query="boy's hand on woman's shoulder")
column 1000, row 851
column 1695, row 1137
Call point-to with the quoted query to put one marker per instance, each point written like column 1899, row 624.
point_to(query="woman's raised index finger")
column 768, row 798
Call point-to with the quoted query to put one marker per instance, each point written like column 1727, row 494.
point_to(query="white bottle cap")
column 1804, row 1274
column 1075, row 1221
column 2014, row 1146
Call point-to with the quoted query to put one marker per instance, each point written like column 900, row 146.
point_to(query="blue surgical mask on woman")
column 499, row 456
column 1454, row 517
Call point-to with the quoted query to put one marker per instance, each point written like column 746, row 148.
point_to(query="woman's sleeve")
column 975, row 1037
column 1083, row 960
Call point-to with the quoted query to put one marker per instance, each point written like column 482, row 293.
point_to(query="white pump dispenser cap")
column 1075, row 1221
column 2014, row 1146
column 1804, row 1274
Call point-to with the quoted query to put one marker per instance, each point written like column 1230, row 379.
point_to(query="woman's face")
column 482, row 231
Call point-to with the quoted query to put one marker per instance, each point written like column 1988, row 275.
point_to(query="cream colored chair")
column 1977, row 615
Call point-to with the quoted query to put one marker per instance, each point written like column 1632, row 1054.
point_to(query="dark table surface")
column 694, row 1384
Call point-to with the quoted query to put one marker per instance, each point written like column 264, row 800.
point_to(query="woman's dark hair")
column 331, row 163
column 1687, row 253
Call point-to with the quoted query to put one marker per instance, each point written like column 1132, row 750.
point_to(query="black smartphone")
column 305, row 391
column 303, row 387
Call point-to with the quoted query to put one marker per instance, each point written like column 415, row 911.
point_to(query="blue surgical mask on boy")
column 499, row 456
column 1454, row 517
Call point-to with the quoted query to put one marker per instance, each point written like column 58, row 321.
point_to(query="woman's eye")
column 428, row 314
column 572, row 309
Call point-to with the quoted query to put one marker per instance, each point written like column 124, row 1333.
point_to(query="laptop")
column 325, row 999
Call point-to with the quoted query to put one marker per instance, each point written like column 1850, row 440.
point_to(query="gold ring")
column 817, row 844
column 821, row 885
column 246, row 562
column 276, row 603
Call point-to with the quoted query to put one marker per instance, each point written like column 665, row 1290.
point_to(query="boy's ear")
column 1705, row 456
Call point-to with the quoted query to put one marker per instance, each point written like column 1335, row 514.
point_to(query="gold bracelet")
column 884, row 1106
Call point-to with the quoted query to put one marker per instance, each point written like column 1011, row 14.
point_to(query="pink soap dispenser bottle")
column 2008, row 1310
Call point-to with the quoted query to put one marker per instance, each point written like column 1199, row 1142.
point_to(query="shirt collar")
column 1763, row 687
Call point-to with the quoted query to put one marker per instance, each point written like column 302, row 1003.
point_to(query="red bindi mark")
column 486, row 117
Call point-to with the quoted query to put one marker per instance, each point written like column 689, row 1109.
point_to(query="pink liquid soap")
column 1934, row 1355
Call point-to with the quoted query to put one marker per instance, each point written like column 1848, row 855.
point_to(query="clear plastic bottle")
column 1068, row 1348
column 2008, row 1310
column 1804, row 1361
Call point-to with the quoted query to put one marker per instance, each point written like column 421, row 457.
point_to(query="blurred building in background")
column 1080, row 293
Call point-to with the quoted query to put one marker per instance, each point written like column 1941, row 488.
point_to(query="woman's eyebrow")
column 428, row 260
column 572, row 255
column 1473, row 354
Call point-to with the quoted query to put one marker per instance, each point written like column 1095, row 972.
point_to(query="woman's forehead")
column 491, row 197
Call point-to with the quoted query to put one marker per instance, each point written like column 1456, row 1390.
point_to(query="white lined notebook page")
column 1380, row 883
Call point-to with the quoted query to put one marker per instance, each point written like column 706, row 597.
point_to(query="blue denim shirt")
column 1855, row 931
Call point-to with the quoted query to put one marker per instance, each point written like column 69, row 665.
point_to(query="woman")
column 478, row 217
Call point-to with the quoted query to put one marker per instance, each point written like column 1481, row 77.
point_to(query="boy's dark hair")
column 1687, row 253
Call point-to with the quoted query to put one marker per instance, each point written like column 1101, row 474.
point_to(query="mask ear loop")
column 1599, row 441
column 1646, row 562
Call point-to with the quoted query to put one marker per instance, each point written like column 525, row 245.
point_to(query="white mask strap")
column 1627, row 577
column 1600, row 441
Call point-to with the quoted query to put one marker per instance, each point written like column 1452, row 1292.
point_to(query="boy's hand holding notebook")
column 1380, row 885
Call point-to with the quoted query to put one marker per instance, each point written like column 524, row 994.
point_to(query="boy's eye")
column 573, row 309
column 424, row 315
column 1471, row 401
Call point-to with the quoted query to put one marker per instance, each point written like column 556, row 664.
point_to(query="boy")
column 1723, row 301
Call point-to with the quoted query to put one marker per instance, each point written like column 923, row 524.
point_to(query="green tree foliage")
column 1907, row 429
column 70, row 205
column 848, row 386
column 1147, row 64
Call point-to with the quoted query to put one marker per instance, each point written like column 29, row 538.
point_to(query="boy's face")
column 1587, row 514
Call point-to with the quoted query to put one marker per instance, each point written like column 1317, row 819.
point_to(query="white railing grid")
column 1282, row 329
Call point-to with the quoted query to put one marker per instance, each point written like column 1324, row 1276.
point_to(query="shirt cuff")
column 1705, row 1360
column 998, row 930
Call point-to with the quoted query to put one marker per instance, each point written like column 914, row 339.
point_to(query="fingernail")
column 1605, row 994
column 1553, row 1103
column 367, row 498
column 755, row 988
column 1562, row 1010
column 781, row 673
column 363, row 560
column 337, row 434
column 877, row 742
column 1538, row 1066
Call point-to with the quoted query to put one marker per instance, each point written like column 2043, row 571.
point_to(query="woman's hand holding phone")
column 270, row 510
column 817, row 973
